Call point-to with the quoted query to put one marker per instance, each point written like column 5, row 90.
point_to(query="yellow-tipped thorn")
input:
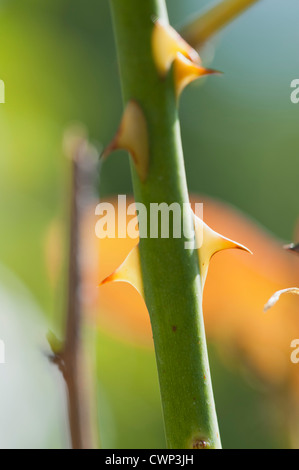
column 210, row 242
column 132, row 135
column 129, row 271
column 186, row 71
column 166, row 44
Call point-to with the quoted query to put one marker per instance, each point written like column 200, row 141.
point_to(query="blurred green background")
column 240, row 138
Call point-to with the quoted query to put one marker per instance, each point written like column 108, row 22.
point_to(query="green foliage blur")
column 240, row 137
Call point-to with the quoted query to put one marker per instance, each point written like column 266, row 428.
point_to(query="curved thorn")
column 209, row 243
column 132, row 135
column 185, row 72
column 166, row 44
column 129, row 271
column 275, row 297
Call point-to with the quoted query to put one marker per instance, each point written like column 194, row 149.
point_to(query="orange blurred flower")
column 236, row 290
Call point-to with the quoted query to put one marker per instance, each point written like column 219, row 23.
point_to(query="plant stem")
column 203, row 26
column 170, row 273
column 72, row 348
column 73, row 352
column 71, row 358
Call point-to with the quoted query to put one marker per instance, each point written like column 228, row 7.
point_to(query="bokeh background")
column 241, row 140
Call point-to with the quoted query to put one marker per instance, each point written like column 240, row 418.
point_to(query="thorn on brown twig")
column 294, row 247
column 58, row 360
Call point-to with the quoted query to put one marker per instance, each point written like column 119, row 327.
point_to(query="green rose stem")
column 171, row 277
